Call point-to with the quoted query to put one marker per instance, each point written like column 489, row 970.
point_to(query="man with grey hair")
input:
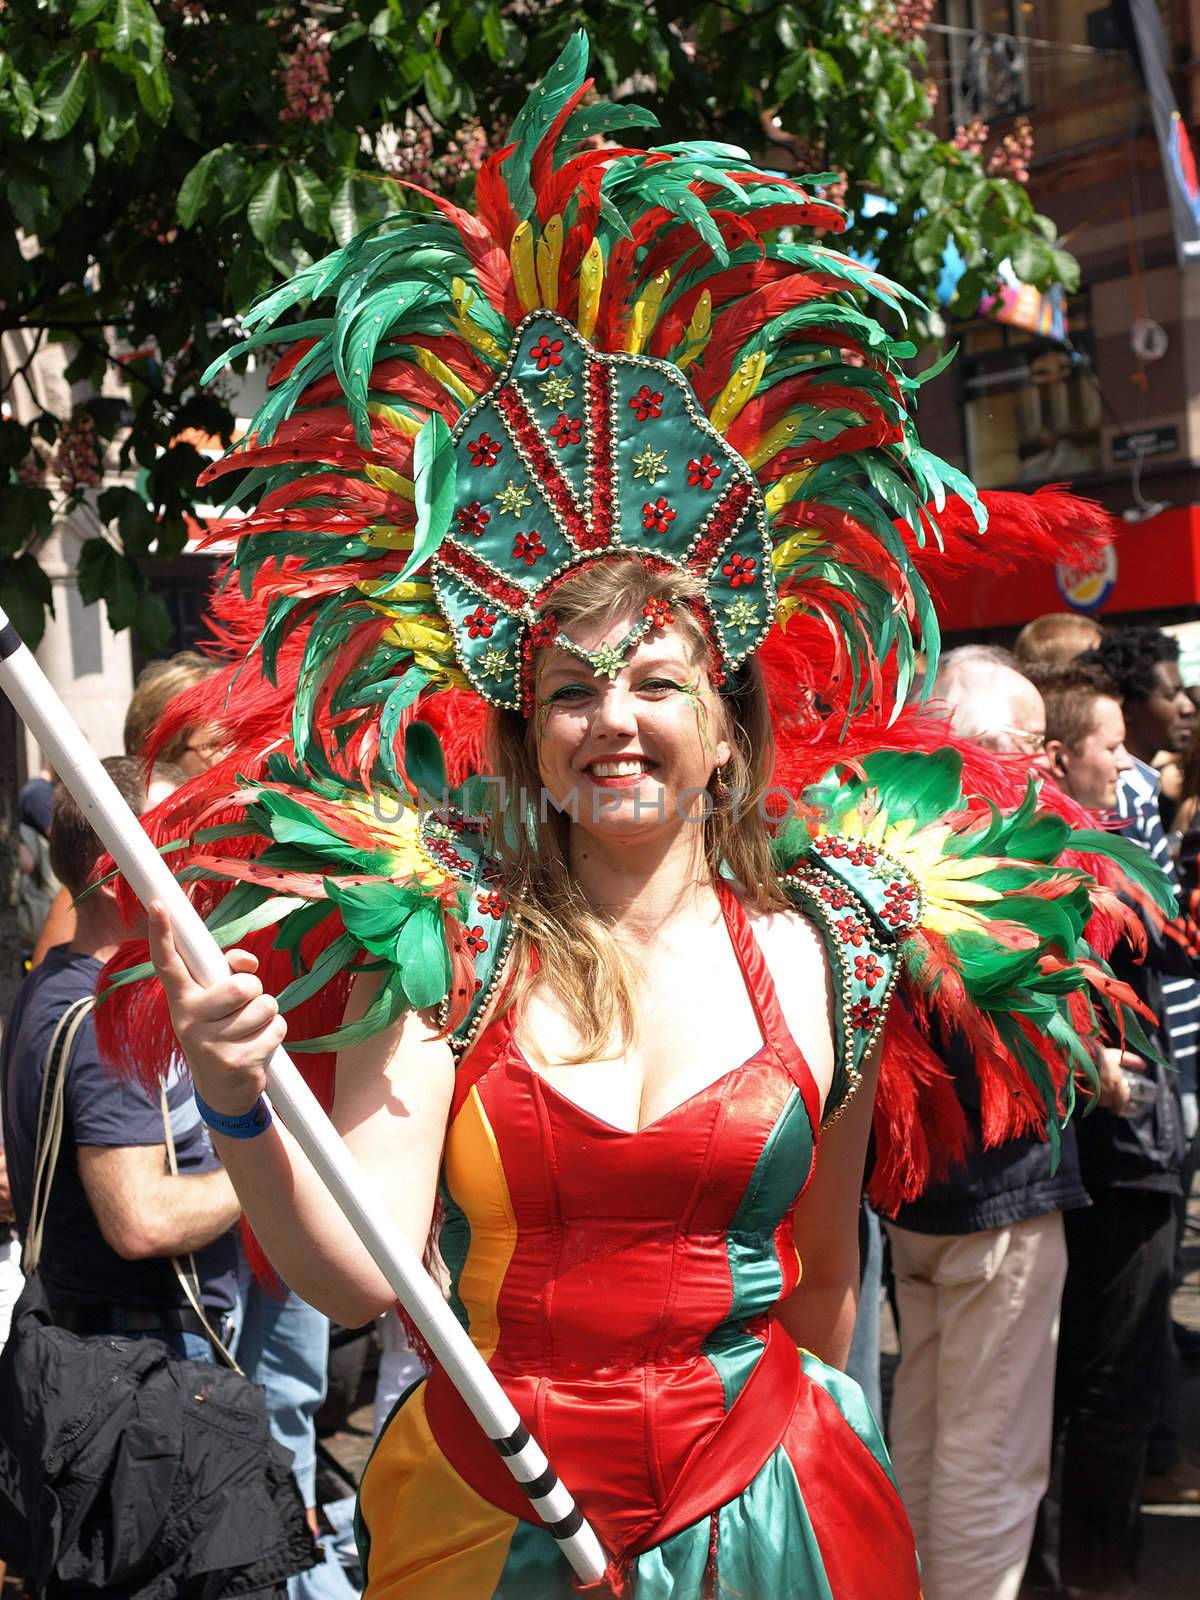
column 979, row 1264
column 990, row 699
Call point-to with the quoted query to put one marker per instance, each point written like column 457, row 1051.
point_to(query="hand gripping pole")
column 151, row 879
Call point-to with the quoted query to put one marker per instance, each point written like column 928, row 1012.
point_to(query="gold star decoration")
column 557, row 390
column 493, row 663
column 651, row 464
column 607, row 661
column 513, row 498
column 741, row 615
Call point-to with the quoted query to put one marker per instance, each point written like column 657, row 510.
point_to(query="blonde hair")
column 157, row 685
column 577, row 954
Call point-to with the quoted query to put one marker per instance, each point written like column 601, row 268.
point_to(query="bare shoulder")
column 799, row 967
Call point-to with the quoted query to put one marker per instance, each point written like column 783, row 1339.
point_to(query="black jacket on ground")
column 127, row 1472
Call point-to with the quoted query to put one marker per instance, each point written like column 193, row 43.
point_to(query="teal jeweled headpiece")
column 576, row 456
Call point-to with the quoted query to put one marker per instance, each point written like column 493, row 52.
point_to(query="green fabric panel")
column 534, row 1568
column 778, row 1176
column 766, row 1548
column 362, row 1534
column 852, row 1403
column 454, row 1241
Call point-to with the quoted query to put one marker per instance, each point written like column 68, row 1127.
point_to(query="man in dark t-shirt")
column 116, row 1214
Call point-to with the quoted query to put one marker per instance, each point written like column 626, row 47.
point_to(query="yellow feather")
column 419, row 633
column 783, row 490
column 395, row 419
column 787, row 608
column 520, row 253
column 645, row 313
column 698, row 330
column 772, row 442
column 385, row 478
column 437, row 368
column 795, row 547
column 591, row 282
column 738, row 392
column 387, row 536
column 549, row 254
column 478, row 338
column 396, row 591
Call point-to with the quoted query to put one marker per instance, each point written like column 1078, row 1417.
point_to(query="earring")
column 720, row 786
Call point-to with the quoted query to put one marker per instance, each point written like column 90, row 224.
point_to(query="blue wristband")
column 248, row 1125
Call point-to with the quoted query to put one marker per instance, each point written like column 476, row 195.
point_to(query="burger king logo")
column 1088, row 584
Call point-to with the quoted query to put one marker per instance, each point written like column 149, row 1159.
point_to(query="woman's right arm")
column 391, row 1103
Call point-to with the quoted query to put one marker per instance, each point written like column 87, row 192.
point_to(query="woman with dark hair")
column 594, row 1012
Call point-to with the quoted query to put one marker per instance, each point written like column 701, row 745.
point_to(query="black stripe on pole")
column 10, row 641
column 512, row 1444
column 569, row 1525
column 538, row 1488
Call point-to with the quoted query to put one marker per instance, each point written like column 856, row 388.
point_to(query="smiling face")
column 628, row 755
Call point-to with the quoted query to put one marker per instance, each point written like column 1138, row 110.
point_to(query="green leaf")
column 152, row 624
column 232, row 177
column 154, row 93
column 26, row 596
column 105, row 574
column 312, row 198
column 348, row 214
column 137, row 32
column 61, row 107
column 193, row 191
column 269, row 204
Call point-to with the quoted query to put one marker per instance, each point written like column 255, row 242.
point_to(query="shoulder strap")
column 51, row 1116
column 863, row 902
column 189, row 1278
column 459, row 846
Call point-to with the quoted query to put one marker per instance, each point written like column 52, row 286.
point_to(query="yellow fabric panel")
column 431, row 1536
column 475, row 1177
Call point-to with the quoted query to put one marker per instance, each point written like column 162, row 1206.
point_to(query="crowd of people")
column 1036, row 1402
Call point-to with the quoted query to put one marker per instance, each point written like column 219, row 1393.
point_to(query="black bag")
column 125, row 1470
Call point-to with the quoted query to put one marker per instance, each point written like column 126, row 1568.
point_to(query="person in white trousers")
column 979, row 1264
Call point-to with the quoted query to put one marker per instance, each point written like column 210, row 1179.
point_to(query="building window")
column 1032, row 408
column 989, row 70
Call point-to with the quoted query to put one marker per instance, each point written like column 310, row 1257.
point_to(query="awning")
column 1151, row 566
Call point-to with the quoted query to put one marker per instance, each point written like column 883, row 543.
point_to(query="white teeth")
column 617, row 769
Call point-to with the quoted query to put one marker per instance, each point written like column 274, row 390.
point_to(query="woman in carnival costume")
column 576, row 460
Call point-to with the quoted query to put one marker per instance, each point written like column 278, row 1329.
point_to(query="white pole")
column 151, row 879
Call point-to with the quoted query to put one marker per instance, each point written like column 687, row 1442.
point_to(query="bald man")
column 979, row 1264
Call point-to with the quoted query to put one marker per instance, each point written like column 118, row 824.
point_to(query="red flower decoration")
column 493, row 904
column 703, row 472
column 739, row 570
column 473, row 519
column 527, row 547
column 475, row 941
column 864, row 1015
column 480, row 621
column 567, row 430
column 484, row 450
column 543, row 633
column 547, row 352
column 867, row 970
column 657, row 516
column 646, row 403
column 659, row 612
column 851, row 931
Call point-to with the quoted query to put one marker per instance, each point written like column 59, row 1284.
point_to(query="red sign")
column 1154, row 565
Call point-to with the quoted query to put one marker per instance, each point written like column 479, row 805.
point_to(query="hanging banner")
column 1175, row 147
